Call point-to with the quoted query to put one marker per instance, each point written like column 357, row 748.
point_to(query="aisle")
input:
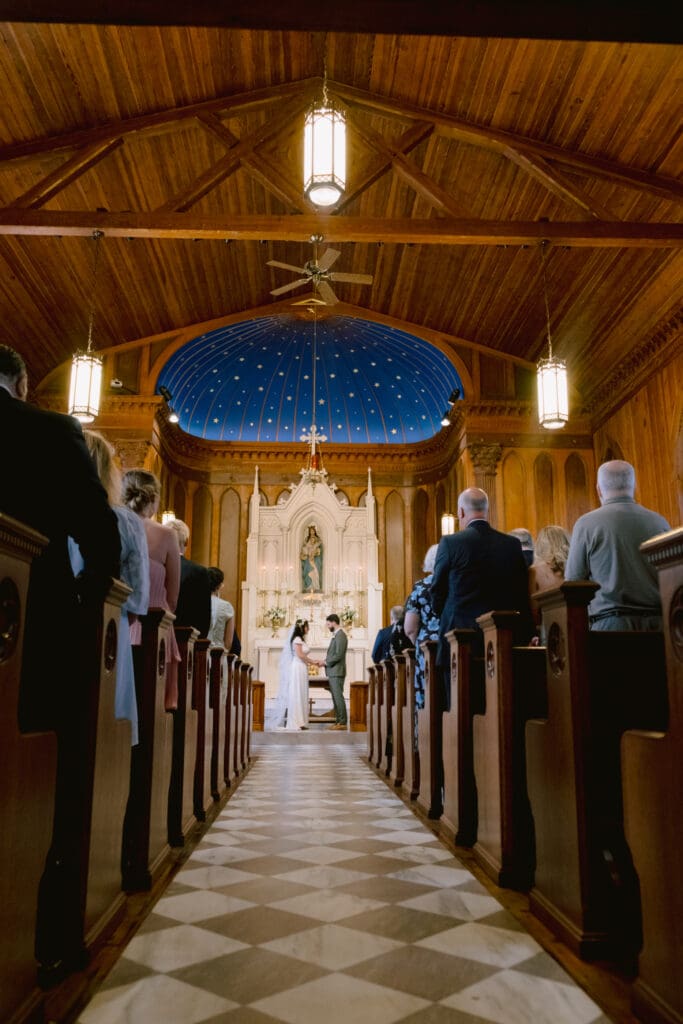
column 317, row 896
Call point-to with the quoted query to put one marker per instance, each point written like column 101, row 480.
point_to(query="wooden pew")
column 245, row 703
column 388, row 674
column 652, row 766
column 411, row 756
column 397, row 767
column 29, row 769
column 145, row 830
column 599, row 685
column 237, row 712
column 230, row 722
column 80, row 890
column 258, row 689
column 459, row 817
column 371, row 713
column 358, row 702
column 514, row 692
column 429, row 738
column 218, row 689
column 249, row 702
column 380, row 735
column 201, row 692
column 181, row 819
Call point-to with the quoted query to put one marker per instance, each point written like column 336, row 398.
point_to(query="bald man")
column 605, row 547
column 477, row 570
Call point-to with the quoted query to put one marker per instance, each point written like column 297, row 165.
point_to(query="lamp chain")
column 97, row 235
column 314, row 373
column 545, row 296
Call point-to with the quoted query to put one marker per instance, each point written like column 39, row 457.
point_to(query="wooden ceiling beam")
column 73, row 168
column 410, row 173
column 299, row 228
column 228, row 164
column 262, row 168
column 500, row 141
column 555, row 182
column 376, row 168
column 618, row 20
column 160, row 122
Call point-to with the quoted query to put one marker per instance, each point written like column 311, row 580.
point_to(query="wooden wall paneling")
column 394, row 580
column 578, row 488
column 516, row 511
column 178, row 502
column 409, row 548
column 200, row 532
column 230, row 546
column 544, row 492
column 214, row 546
column 421, row 530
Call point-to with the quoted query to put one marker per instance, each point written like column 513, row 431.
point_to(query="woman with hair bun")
column 297, row 703
column 141, row 492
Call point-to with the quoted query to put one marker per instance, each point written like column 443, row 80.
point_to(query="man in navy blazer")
column 194, row 597
column 478, row 570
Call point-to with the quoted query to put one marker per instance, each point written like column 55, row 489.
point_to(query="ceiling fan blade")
column 354, row 278
column 329, row 257
column 327, row 293
column 288, row 287
column 285, row 266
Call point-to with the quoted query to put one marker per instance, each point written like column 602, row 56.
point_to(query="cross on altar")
column 313, row 438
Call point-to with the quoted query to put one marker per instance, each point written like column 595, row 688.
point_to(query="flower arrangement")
column 275, row 616
column 348, row 615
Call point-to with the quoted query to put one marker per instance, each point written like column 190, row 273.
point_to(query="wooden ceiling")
column 466, row 153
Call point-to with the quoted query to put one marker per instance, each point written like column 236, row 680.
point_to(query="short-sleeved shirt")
column 221, row 611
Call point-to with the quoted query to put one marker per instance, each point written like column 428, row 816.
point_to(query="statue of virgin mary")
column 311, row 556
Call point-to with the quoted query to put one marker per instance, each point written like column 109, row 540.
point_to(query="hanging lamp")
column 447, row 523
column 324, row 151
column 551, row 375
column 86, row 367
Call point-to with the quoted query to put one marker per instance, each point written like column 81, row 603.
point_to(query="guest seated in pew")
column 526, row 540
column 385, row 637
column 134, row 572
column 552, row 548
column 477, row 570
column 421, row 621
column 49, row 483
column 194, row 597
column 605, row 548
column 141, row 493
column 222, row 629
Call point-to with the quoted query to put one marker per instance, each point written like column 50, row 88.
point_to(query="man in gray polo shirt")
column 605, row 548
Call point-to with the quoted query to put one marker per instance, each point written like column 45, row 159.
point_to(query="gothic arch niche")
column 544, row 492
column 441, row 506
column 577, row 489
column 612, row 451
column 178, row 501
column 200, row 541
column 229, row 545
column 395, row 584
column 421, row 531
column 516, row 509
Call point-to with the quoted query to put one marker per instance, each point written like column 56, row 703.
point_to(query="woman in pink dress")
column 141, row 492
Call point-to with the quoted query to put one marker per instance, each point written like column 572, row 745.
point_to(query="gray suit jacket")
column 335, row 660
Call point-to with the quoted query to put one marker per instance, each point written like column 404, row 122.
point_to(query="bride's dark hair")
column 300, row 627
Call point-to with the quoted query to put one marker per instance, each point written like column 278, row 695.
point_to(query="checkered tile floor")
column 317, row 895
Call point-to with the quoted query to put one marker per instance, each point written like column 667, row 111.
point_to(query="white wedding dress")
column 297, row 704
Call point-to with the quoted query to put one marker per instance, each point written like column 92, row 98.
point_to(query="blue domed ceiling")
column 253, row 381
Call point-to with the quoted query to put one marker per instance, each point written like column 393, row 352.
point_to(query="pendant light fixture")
column 551, row 375
column 324, row 151
column 86, row 367
column 447, row 523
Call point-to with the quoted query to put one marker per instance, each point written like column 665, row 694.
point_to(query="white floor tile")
column 168, row 949
column 496, row 946
column 511, row 997
column 154, row 1000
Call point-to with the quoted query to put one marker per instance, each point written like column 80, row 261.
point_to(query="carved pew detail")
column 380, row 736
column 200, row 702
column 181, row 819
column 459, row 818
column 652, row 765
column 411, row 756
column 372, row 713
column 237, row 713
column 397, row 768
column 28, row 785
column 429, row 798
column 218, row 689
column 387, row 705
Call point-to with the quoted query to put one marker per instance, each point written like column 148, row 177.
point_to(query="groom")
column 335, row 663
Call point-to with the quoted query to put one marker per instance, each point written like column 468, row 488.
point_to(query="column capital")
column 485, row 457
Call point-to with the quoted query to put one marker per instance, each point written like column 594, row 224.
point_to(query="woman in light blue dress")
column 134, row 573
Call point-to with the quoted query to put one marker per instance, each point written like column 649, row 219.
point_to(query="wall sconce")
column 167, row 397
column 447, row 523
column 551, row 376
column 445, row 419
column 86, row 368
column 454, row 396
column 324, row 152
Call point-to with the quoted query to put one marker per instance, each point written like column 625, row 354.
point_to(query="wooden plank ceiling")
column 183, row 145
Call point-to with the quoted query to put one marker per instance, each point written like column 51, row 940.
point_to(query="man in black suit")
column 49, row 483
column 382, row 646
column 478, row 570
column 194, row 597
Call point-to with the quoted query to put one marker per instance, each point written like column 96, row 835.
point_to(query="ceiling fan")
column 317, row 272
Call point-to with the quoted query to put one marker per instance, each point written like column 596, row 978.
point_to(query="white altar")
column 275, row 593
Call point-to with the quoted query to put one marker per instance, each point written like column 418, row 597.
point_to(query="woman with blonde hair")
column 550, row 557
column 141, row 493
column 134, row 573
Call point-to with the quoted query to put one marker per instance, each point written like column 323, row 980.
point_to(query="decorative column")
column 133, row 454
column 485, row 459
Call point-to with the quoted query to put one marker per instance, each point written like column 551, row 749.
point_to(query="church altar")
column 308, row 556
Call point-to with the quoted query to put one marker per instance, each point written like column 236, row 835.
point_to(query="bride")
column 295, row 655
